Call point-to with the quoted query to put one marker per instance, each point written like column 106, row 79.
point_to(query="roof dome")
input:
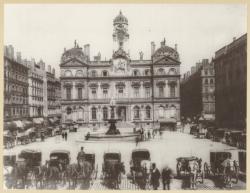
column 120, row 19
column 166, row 51
column 75, row 52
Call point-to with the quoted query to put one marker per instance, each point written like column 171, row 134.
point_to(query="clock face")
column 120, row 66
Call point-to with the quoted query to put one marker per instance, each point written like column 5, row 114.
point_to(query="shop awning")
column 168, row 120
column 19, row 124
column 10, row 126
column 27, row 124
column 38, row 120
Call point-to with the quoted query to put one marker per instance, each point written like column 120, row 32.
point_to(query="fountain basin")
column 123, row 136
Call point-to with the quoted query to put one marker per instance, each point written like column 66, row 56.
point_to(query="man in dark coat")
column 155, row 176
column 167, row 175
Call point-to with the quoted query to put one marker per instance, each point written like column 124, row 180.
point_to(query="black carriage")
column 194, row 129
column 139, row 170
column 90, row 157
column 188, row 165
column 23, row 138
column 49, row 131
column 31, row 157
column 221, row 134
column 210, row 132
column 216, row 168
column 112, row 168
column 58, row 157
column 235, row 137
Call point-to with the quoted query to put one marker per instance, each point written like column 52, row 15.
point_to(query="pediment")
column 166, row 60
column 74, row 62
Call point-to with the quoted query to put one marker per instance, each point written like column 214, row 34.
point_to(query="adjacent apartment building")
column 231, row 79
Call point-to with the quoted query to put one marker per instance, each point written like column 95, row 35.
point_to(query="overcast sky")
column 42, row 31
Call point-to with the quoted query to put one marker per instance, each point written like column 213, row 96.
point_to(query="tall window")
column 93, row 73
column 136, row 112
column 136, row 92
column 105, row 113
column 105, row 73
column 147, row 72
column 172, row 91
column 93, row 91
column 161, row 91
column 136, row 73
column 105, row 92
column 120, row 92
column 148, row 112
column 93, row 111
column 161, row 71
column 211, row 81
column 161, row 112
column 206, row 81
column 68, row 93
column 79, row 93
column 147, row 92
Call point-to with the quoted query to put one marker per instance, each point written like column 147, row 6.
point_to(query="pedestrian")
column 136, row 141
column 80, row 156
column 149, row 135
column 167, row 175
column 63, row 135
column 155, row 177
column 66, row 135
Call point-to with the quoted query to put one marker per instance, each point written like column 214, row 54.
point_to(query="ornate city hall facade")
column 144, row 91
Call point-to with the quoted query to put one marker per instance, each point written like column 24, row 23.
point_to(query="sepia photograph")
column 124, row 96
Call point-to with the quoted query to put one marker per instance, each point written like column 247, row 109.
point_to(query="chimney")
column 141, row 55
column 152, row 48
column 175, row 47
column 87, row 50
column 49, row 68
column 19, row 57
column 6, row 51
column 11, row 52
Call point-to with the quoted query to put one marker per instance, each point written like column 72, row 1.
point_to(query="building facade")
column 53, row 96
column 144, row 91
column 36, row 89
column 15, row 86
column 197, row 92
column 230, row 91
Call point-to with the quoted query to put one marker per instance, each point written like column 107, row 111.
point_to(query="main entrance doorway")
column 121, row 113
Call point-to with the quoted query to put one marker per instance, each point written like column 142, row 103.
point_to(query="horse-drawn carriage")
column 222, row 166
column 23, row 138
column 140, row 167
column 112, row 168
column 235, row 137
column 90, row 157
column 194, row 129
column 59, row 159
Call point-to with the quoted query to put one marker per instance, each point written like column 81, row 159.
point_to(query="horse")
column 113, row 176
column 85, row 174
column 72, row 174
column 193, row 168
column 230, row 170
column 41, row 175
column 53, row 175
column 19, row 172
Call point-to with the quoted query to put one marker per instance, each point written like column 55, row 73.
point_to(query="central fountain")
column 112, row 133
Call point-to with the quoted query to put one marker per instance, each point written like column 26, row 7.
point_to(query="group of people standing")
column 166, row 177
column 64, row 135
column 147, row 135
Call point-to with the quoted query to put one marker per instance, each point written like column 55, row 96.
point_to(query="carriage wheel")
column 206, row 170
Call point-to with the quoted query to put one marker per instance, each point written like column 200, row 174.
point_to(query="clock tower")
column 120, row 36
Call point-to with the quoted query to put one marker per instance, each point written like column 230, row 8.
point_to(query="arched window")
column 172, row 90
column 136, row 112
column 161, row 112
column 135, row 73
column 161, row 71
column 172, row 71
column 93, row 112
column 93, row 73
column 79, row 73
column 105, row 113
column 81, row 114
column 104, row 73
column 148, row 112
column 68, row 73
column 147, row 72
column 211, row 81
column 206, row 81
